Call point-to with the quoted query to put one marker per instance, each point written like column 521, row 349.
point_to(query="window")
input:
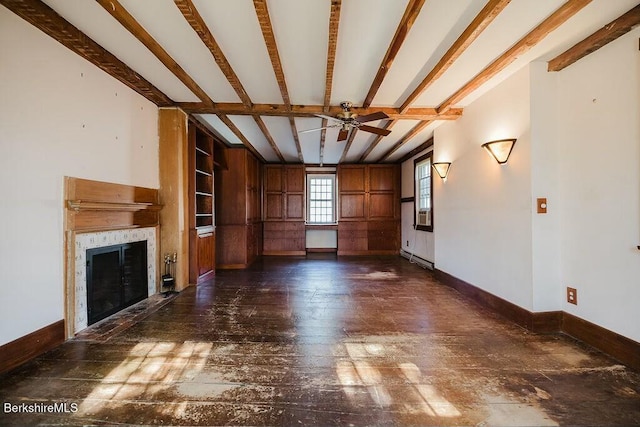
column 423, row 198
column 321, row 200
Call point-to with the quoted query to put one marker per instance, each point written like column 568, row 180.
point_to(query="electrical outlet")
column 572, row 295
column 407, row 243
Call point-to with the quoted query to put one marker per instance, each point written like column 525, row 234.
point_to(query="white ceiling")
column 301, row 30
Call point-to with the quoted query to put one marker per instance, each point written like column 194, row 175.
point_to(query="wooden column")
column 174, row 183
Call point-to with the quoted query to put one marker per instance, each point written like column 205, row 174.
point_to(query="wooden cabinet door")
column 273, row 179
column 202, row 255
column 294, row 179
column 206, row 253
column 352, row 178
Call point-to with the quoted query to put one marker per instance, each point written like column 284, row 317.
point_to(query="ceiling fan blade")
column 316, row 129
column 371, row 117
column 322, row 116
column 342, row 135
column 377, row 131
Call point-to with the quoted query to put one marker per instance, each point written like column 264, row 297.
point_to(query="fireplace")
column 116, row 278
column 111, row 247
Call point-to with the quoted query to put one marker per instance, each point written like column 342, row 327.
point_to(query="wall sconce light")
column 442, row 169
column 500, row 149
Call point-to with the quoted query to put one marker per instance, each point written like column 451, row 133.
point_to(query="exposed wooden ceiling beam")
column 595, row 41
column 409, row 17
column 347, row 146
column 413, row 132
column 418, row 113
column 375, row 142
column 470, row 34
column 420, row 148
column 272, row 48
column 267, row 135
column 296, row 139
column 115, row 9
column 560, row 16
column 264, row 19
column 194, row 19
column 334, row 22
column 233, row 128
column 48, row 21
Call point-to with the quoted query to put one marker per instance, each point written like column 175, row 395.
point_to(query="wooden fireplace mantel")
column 84, row 205
column 91, row 206
column 95, row 205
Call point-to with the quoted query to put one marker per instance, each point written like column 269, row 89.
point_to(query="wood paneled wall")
column 238, row 213
column 284, row 210
column 369, row 209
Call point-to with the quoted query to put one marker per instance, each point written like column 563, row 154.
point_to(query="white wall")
column 483, row 210
column 599, row 170
column 416, row 242
column 544, row 184
column 59, row 116
column 578, row 145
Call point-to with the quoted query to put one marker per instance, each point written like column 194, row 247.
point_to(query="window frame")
column 416, row 203
column 334, row 197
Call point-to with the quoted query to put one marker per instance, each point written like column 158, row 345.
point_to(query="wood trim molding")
column 81, row 205
column 25, row 348
column 615, row 345
column 238, row 109
column 322, row 250
column 94, row 205
column 619, row 347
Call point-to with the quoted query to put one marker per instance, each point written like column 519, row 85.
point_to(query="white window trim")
column 334, row 199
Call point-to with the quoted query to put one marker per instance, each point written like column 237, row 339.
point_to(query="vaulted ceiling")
column 258, row 72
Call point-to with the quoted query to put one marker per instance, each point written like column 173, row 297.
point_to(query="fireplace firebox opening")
column 116, row 278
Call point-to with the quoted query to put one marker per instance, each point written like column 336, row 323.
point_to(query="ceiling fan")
column 347, row 120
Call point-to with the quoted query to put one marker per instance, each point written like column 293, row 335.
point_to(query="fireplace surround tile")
column 84, row 241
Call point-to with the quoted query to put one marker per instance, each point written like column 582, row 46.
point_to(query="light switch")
column 542, row 205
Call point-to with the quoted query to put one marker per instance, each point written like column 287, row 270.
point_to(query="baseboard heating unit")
column 416, row 259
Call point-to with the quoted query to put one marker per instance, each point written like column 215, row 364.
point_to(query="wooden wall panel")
column 273, row 207
column 352, row 206
column 295, row 206
column 230, row 252
column 369, row 206
column 382, row 178
column 295, row 179
column 273, row 178
column 382, row 206
column 352, row 178
column 229, row 185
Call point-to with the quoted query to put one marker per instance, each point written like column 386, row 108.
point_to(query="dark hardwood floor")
column 322, row 341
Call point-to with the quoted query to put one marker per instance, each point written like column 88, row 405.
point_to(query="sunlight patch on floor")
column 360, row 373
column 148, row 369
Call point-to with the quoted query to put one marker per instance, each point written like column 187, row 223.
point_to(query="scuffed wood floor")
column 353, row 341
